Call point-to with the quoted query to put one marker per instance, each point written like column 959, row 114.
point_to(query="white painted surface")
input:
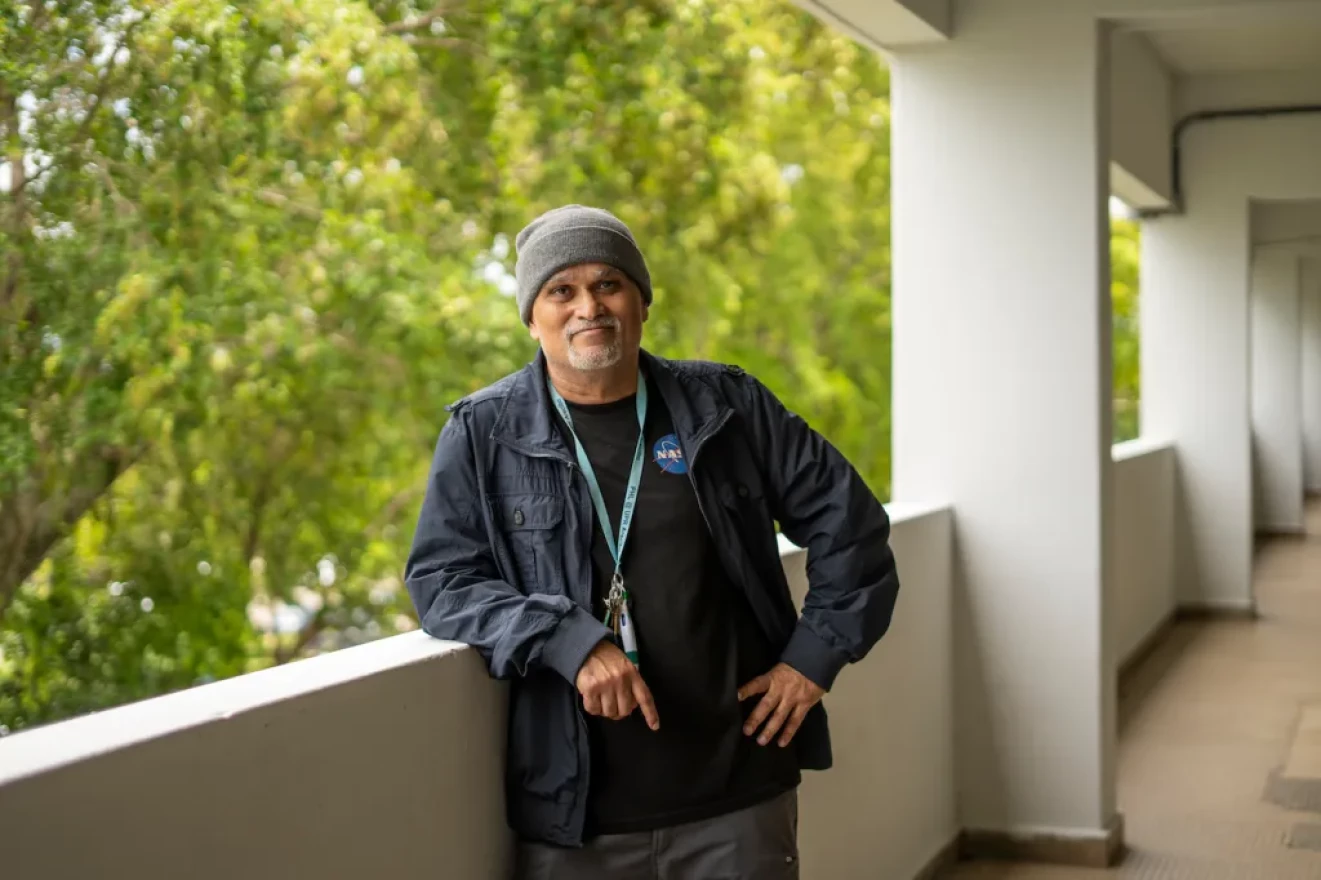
column 1265, row 89
column 1143, row 553
column 1277, row 394
column 1002, row 393
column 888, row 805
column 885, row 24
column 1140, row 122
column 385, row 760
column 1195, row 338
column 1311, row 309
column 1253, row 43
column 382, row 756
column 1294, row 227
column 1294, row 224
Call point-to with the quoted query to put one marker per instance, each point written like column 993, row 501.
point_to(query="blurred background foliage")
column 248, row 252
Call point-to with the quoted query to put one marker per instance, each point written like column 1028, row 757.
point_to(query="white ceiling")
column 1238, row 43
column 1295, row 223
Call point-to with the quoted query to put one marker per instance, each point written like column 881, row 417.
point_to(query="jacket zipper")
column 583, row 733
column 692, row 467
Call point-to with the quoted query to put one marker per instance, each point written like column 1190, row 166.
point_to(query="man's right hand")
column 612, row 687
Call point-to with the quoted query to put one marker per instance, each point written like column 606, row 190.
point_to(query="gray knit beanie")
column 570, row 236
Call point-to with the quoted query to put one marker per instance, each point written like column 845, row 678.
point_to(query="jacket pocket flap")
column 517, row 512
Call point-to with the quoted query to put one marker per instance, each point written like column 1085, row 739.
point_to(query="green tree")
column 255, row 252
column 1124, row 261
column 224, row 265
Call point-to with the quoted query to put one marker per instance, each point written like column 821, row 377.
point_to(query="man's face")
column 587, row 317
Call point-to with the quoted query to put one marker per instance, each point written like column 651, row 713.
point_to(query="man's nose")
column 588, row 306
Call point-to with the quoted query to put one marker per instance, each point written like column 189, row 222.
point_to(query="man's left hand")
column 787, row 695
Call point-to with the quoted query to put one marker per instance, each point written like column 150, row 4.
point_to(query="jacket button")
column 742, row 491
column 518, row 517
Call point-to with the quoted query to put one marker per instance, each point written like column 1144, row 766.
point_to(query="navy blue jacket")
column 502, row 557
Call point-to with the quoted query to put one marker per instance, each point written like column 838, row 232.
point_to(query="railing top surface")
column 1140, row 447
column 42, row 749
column 45, row 748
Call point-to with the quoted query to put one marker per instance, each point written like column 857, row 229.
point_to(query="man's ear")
column 533, row 331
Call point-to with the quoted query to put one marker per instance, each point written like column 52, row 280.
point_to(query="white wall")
column 1195, row 337
column 1291, row 223
column 1140, row 122
column 1002, row 394
column 388, row 754
column 885, row 23
column 888, row 806
column 1295, row 227
column 1217, row 91
column 1311, row 308
column 385, row 760
column 1143, row 585
column 1195, row 387
column 1277, row 396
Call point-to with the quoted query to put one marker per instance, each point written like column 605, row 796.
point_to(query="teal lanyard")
column 616, row 545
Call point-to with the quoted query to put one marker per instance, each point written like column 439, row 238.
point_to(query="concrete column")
column 1311, row 309
column 1195, row 380
column 1002, row 401
column 1277, row 394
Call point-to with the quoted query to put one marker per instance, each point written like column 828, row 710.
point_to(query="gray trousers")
column 758, row 843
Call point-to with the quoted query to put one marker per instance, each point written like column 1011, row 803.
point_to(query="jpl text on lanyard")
column 617, row 614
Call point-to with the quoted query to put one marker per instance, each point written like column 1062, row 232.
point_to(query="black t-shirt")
column 697, row 643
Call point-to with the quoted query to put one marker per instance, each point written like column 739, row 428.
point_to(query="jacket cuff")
column 813, row 657
column 572, row 640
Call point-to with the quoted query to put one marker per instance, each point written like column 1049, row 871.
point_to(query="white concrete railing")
column 385, row 759
column 1143, row 514
column 887, row 807
column 379, row 760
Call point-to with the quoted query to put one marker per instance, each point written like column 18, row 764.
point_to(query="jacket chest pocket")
column 532, row 526
column 742, row 494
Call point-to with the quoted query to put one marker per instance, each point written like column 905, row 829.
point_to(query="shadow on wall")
column 1187, row 571
column 1258, row 484
column 980, row 777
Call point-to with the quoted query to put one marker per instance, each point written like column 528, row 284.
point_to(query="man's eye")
column 559, row 291
column 608, row 284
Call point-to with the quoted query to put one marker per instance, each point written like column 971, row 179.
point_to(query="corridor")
column 1219, row 729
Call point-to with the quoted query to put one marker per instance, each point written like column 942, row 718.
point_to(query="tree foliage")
column 1124, row 261
column 251, row 250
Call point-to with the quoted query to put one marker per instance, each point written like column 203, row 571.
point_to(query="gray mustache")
column 604, row 324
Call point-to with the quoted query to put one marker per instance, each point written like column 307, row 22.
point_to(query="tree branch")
column 17, row 161
column 38, row 15
column 443, row 43
column 31, row 525
column 253, row 539
column 416, row 23
column 387, row 514
column 278, row 199
column 315, row 624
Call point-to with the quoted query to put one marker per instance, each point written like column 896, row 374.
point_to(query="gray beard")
column 600, row 357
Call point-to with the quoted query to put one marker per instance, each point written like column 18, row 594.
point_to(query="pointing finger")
column 643, row 695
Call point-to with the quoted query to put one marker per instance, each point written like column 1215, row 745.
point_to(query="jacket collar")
column 526, row 421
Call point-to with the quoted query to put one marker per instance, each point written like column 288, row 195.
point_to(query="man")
column 601, row 527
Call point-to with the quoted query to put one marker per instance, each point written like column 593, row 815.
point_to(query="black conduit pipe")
column 1176, row 141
